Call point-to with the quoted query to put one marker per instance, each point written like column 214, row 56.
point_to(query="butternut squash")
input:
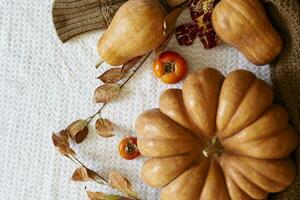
column 136, row 29
column 245, row 25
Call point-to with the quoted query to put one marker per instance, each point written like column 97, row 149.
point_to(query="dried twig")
column 122, row 85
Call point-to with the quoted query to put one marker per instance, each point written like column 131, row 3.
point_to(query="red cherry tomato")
column 128, row 148
column 170, row 67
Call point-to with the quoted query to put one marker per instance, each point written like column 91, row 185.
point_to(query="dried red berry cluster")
column 201, row 13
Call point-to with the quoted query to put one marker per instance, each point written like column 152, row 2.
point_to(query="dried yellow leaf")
column 106, row 93
column 130, row 64
column 61, row 142
column 103, row 196
column 96, row 195
column 83, row 174
column 105, row 128
column 112, row 75
column 120, row 183
column 62, row 138
column 78, row 130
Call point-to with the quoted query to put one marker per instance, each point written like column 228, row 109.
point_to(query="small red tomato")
column 170, row 67
column 128, row 148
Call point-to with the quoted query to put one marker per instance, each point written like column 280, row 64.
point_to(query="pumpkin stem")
column 214, row 147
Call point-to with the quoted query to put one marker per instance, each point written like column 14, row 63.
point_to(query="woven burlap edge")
column 285, row 75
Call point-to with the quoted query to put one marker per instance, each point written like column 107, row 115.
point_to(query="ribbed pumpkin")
column 217, row 139
column 245, row 25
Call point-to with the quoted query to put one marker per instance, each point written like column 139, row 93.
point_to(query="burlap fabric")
column 285, row 74
column 77, row 16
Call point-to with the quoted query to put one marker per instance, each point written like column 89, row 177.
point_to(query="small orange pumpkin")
column 217, row 139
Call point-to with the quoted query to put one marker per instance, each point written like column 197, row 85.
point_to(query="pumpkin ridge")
column 228, row 180
column 188, row 167
column 231, row 152
column 242, row 176
column 275, row 133
column 180, row 164
column 263, row 141
column 198, row 88
column 283, row 163
column 185, row 179
column 215, row 173
column 163, row 116
column 257, row 32
column 146, row 146
column 180, row 154
column 206, row 175
column 204, row 95
column 204, row 137
column 186, row 129
column 172, row 99
column 237, row 109
column 252, row 168
column 279, row 185
column 239, row 133
column 206, row 103
column 259, row 81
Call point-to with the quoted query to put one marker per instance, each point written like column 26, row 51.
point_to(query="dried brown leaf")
column 130, row 64
column 105, row 128
column 103, row 196
column 112, row 75
column 84, row 174
column 120, row 183
column 61, row 142
column 96, row 195
column 78, row 130
column 62, row 138
column 106, row 93
column 170, row 21
column 65, row 150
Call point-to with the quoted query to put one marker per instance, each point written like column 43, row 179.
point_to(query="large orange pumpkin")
column 217, row 139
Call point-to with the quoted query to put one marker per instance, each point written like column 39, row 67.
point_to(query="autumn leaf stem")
column 96, row 113
column 101, row 180
column 61, row 141
column 134, row 71
column 76, row 161
column 122, row 85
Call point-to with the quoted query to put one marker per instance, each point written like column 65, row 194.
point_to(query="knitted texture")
column 74, row 17
column 45, row 85
column 285, row 73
